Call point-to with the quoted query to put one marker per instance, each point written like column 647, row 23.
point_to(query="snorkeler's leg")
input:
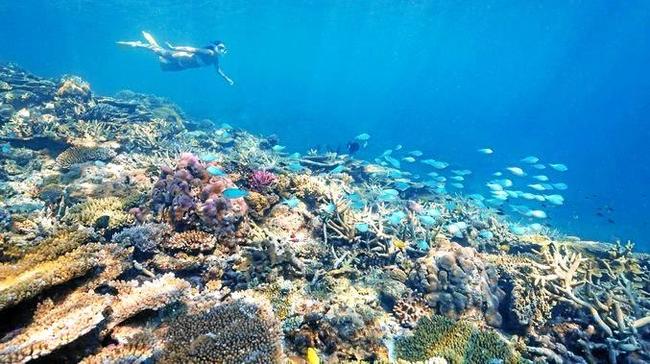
column 135, row 44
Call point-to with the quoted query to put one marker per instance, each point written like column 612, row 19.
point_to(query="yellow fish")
column 399, row 244
column 312, row 356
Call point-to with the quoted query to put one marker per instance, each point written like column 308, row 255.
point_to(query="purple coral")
column 188, row 196
column 260, row 180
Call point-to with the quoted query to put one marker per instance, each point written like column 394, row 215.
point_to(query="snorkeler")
column 181, row 58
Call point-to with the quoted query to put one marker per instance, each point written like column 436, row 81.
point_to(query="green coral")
column 457, row 341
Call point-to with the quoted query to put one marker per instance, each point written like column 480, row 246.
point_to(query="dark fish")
column 353, row 147
column 611, row 221
column 600, row 214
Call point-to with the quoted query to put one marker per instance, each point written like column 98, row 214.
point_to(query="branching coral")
column 151, row 295
column 139, row 349
column 261, row 180
column 409, row 311
column 146, row 237
column 243, row 331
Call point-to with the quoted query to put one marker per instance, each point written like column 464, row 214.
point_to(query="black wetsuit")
column 199, row 59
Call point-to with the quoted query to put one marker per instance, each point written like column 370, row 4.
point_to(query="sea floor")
column 129, row 233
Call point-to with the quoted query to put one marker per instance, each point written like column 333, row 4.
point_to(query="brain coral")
column 242, row 331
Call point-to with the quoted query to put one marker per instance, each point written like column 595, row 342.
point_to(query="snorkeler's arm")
column 223, row 74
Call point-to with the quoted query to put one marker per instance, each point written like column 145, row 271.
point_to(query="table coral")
column 33, row 279
column 55, row 325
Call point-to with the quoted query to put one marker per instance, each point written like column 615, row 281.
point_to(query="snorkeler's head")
column 218, row 46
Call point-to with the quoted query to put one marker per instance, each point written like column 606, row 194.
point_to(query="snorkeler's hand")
column 170, row 46
column 230, row 82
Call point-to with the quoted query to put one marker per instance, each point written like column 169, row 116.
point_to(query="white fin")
column 150, row 39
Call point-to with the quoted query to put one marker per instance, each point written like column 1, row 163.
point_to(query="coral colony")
column 126, row 237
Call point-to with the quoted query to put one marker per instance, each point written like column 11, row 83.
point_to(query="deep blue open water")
column 566, row 81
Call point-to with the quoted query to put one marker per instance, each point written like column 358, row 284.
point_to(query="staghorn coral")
column 191, row 241
column 55, row 325
column 83, row 154
column 103, row 212
column 242, row 331
column 457, row 342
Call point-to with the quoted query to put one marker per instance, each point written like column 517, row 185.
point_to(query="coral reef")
column 130, row 233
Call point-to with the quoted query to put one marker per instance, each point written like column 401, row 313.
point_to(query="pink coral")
column 260, row 180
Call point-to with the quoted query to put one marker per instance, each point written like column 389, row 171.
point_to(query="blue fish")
column 388, row 195
column 208, row 157
column 292, row 202
column 422, row 245
column 295, row 167
column 338, row 169
column 427, row 220
column 396, row 217
column 278, row 148
column 363, row 137
column 330, row 208
column 361, row 227
column 215, row 171
column 233, row 192
column 486, row 234
column 402, row 186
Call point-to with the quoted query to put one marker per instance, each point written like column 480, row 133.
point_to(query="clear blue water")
column 566, row 81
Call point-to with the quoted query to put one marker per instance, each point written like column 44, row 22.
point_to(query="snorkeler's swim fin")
column 150, row 39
